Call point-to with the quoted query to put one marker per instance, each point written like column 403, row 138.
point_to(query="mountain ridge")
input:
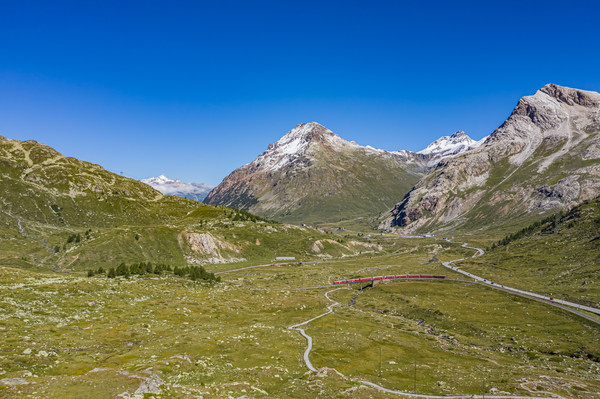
column 313, row 175
column 65, row 214
column 545, row 156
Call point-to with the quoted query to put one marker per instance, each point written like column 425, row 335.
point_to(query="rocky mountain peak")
column 195, row 191
column 459, row 135
column 546, row 138
column 547, row 109
column 310, row 129
column 302, row 134
column 571, row 96
column 449, row 145
column 296, row 144
column 313, row 175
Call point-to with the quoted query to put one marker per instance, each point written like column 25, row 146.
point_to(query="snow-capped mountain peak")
column 303, row 142
column 195, row 191
column 297, row 139
column 162, row 179
column 450, row 145
column 297, row 143
column 303, row 134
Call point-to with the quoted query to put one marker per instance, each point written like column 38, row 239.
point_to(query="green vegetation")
column 100, row 337
column 150, row 317
column 73, row 216
column 147, row 268
column 456, row 333
column 547, row 225
column 196, row 273
column 375, row 189
column 557, row 256
column 238, row 215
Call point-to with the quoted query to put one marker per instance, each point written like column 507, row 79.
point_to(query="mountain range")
column 544, row 157
column 312, row 175
column 195, row 191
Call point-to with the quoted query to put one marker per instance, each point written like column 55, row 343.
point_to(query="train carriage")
column 391, row 277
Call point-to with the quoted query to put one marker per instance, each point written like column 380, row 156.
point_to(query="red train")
column 360, row 280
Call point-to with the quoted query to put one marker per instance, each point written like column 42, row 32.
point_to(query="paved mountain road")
column 531, row 295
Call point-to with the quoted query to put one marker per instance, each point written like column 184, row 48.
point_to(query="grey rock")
column 545, row 138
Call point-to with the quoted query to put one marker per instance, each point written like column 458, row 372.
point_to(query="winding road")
column 308, row 337
column 330, row 309
column 309, row 365
column 566, row 305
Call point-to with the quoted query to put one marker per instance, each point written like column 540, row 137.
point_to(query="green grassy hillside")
column 362, row 188
column 558, row 256
column 64, row 214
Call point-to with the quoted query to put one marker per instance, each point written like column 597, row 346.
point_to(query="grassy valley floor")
column 163, row 336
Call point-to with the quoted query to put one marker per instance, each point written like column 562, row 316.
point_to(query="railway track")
column 478, row 280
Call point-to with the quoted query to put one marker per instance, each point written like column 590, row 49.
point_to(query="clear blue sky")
column 195, row 89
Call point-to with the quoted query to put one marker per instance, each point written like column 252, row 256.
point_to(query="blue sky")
column 195, row 89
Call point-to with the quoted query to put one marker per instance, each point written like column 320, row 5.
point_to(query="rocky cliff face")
column 546, row 155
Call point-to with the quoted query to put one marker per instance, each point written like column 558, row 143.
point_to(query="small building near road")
column 285, row 258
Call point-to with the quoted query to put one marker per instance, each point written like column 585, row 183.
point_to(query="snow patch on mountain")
column 450, row 145
column 295, row 145
column 447, row 147
column 195, row 191
column 442, row 148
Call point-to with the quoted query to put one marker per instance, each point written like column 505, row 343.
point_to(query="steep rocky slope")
column 545, row 156
column 312, row 175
